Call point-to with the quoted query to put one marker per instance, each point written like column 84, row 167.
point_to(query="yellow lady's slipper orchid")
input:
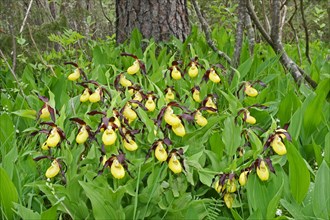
column 200, row 119
column 160, row 152
column 175, row 74
column 137, row 97
column 129, row 113
column 213, row 76
column 104, row 159
column 229, row 200
column 124, row 82
column 210, row 103
column 95, row 97
column 243, row 178
column 179, row 130
column 196, row 96
column 193, row 70
column 75, row 75
column 174, row 164
column 169, row 96
column 250, row 91
column 218, row 187
column 134, row 68
column 45, row 114
column 53, row 170
column 117, row 170
column 85, row 96
column 131, row 144
column 150, row 104
column 117, row 122
column 262, row 171
column 278, row 146
column 44, row 146
column 250, row 119
column 54, row 138
column 109, row 136
column 82, row 135
column 231, row 185
column 170, row 118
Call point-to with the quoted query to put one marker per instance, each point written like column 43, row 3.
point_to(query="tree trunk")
column 158, row 19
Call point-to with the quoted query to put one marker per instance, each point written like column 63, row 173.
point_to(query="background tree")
column 159, row 19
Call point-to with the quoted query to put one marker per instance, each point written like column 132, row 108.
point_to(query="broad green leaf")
column 7, row 134
column 273, row 204
column 321, row 199
column 313, row 113
column 216, row 144
column 294, row 210
column 230, row 131
column 245, row 67
column 102, row 208
column 26, row 113
column 26, row 213
column 299, row 176
column 8, row 194
column 289, row 104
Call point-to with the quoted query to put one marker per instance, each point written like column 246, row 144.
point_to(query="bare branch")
column 294, row 30
column 26, row 15
column 39, row 54
column 275, row 41
column 207, row 32
column 256, row 21
column 306, row 30
column 267, row 24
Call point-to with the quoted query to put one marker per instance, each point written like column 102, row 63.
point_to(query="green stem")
column 136, row 193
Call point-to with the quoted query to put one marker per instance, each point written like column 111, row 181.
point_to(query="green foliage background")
column 298, row 188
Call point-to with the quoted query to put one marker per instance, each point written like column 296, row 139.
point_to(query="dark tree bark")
column 239, row 32
column 158, row 19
